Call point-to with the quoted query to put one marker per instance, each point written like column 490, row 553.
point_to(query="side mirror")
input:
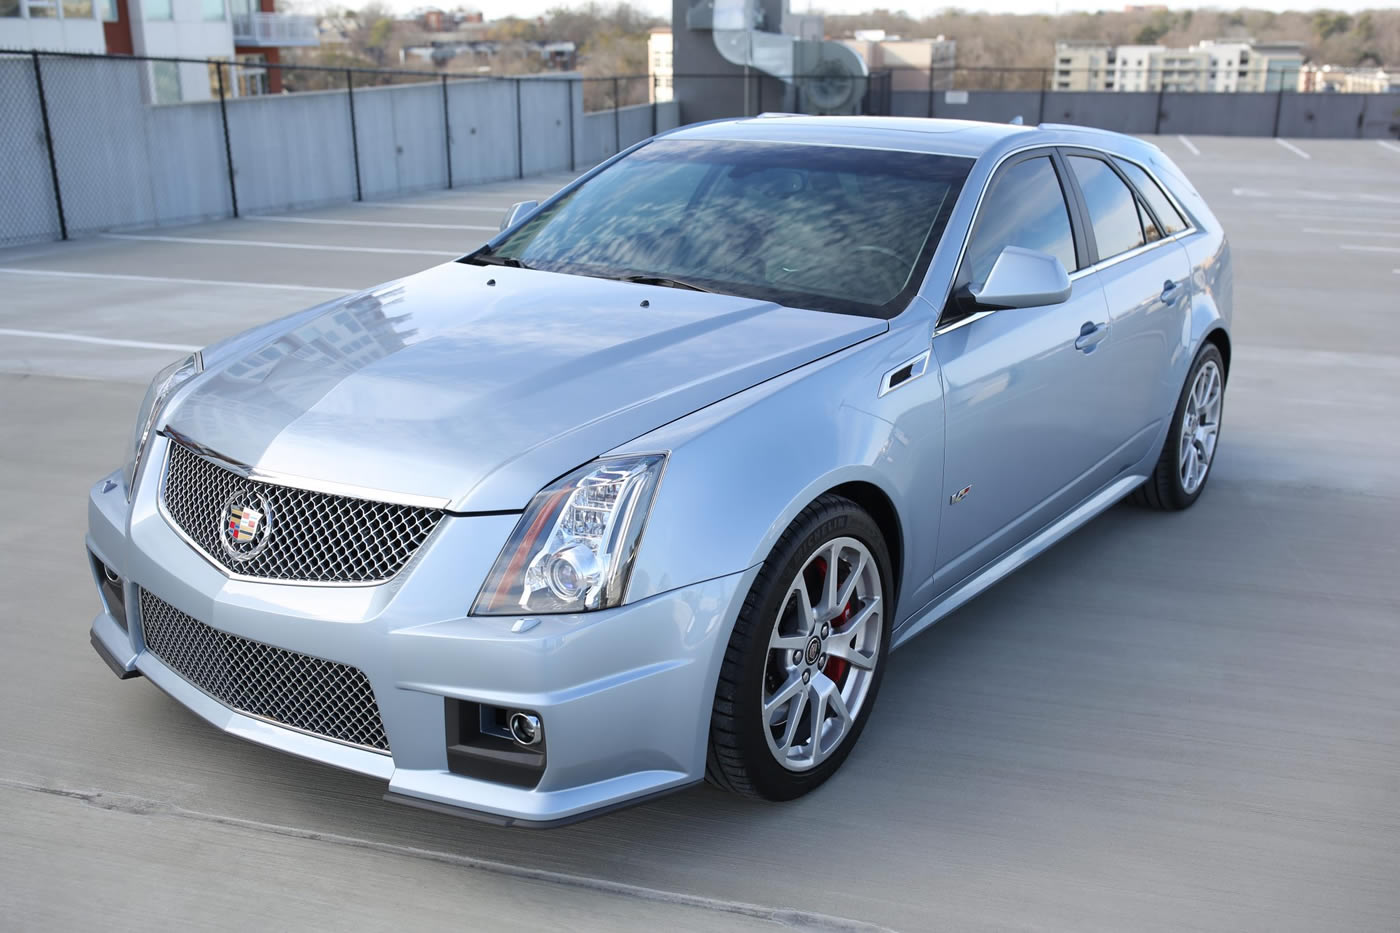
column 1023, row 278
column 517, row 212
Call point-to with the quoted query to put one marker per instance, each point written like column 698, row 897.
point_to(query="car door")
column 1146, row 278
column 1024, row 387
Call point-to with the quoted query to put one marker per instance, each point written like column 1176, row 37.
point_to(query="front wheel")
column 1189, row 451
column 804, row 662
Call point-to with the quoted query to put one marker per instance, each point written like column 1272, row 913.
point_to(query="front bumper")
column 624, row 695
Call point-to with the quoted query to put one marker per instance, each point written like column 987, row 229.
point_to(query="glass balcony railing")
column 274, row 29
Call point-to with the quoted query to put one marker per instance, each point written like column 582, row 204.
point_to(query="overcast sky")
column 494, row 9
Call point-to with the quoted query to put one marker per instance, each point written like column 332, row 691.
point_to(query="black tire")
column 739, row 759
column 1163, row 490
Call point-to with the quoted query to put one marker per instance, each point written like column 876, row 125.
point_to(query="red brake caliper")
column 836, row 667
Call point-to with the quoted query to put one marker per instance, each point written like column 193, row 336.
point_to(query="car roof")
column 967, row 138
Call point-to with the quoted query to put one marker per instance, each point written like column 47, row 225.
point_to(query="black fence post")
column 653, row 105
column 48, row 141
column 617, row 115
column 931, row 72
column 1040, row 111
column 354, row 135
column 447, row 132
column 519, row 134
column 228, row 146
column 1157, row 126
column 573, row 160
column 1278, row 111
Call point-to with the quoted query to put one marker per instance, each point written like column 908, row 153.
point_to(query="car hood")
column 480, row 385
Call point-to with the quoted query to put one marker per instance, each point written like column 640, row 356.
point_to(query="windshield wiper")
column 487, row 258
column 664, row 280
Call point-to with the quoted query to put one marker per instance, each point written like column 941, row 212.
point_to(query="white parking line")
column 1292, row 148
column 367, row 223
column 1352, row 232
column 1189, row 145
column 400, row 205
column 165, row 279
column 1385, row 216
column 1370, row 249
column 210, row 241
column 1391, row 146
column 1304, row 194
column 100, row 341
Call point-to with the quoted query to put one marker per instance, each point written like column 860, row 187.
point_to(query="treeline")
column 1370, row 38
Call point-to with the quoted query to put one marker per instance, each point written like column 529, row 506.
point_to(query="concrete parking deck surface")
column 1168, row 722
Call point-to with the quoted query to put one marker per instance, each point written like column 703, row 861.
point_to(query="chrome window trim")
column 1129, row 254
column 1144, row 247
column 960, row 322
column 977, row 211
column 1078, row 273
column 254, row 475
column 809, row 142
column 1165, row 189
column 328, row 487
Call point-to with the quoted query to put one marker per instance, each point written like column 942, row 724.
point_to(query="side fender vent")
column 905, row 373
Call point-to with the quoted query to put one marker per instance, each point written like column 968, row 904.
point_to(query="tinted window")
column 1149, row 226
column 1025, row 206
column 1171, row 218
column 833, row 229
column 1113, row 209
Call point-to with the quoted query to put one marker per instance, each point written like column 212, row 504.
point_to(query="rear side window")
column 1170, row 217
column 1025, row 206
column 1113, row 209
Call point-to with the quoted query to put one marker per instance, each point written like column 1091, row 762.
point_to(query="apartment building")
column 250, row 33
column 1331, row 79
column 661, row 64
column 1084, row 65
column 1222, row 66
column 911, row 62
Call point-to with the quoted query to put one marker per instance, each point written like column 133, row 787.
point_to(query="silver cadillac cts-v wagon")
column 643, row 491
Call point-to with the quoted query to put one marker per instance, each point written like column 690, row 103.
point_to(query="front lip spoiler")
column 497, row 819
column 111, row 660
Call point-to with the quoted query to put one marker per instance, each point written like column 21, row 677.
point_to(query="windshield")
column 833, row 229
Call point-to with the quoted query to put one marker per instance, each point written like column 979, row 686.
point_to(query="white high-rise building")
column 1221, row 66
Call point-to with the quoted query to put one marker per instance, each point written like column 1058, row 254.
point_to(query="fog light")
column 525, row 728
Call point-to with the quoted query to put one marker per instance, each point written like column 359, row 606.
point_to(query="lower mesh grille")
column 311, row 694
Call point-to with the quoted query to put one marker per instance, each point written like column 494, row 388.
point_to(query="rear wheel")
column 1189, row 451
column 805, row 659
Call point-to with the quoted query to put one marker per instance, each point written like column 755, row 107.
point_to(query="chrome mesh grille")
column 311, row 694
column 312, row 537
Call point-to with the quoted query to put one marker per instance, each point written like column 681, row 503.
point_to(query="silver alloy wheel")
column 822, row 654
column 1200, row 426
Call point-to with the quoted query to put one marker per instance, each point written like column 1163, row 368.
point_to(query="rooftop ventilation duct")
column 822, row 76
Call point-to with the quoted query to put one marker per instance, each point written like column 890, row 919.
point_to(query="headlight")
column 165, row 382
column 572, row 550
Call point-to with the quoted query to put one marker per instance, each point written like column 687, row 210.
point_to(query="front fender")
column 742, row 469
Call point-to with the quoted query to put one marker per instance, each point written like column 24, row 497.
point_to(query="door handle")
column 1170, row 292
column 1089, row 335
